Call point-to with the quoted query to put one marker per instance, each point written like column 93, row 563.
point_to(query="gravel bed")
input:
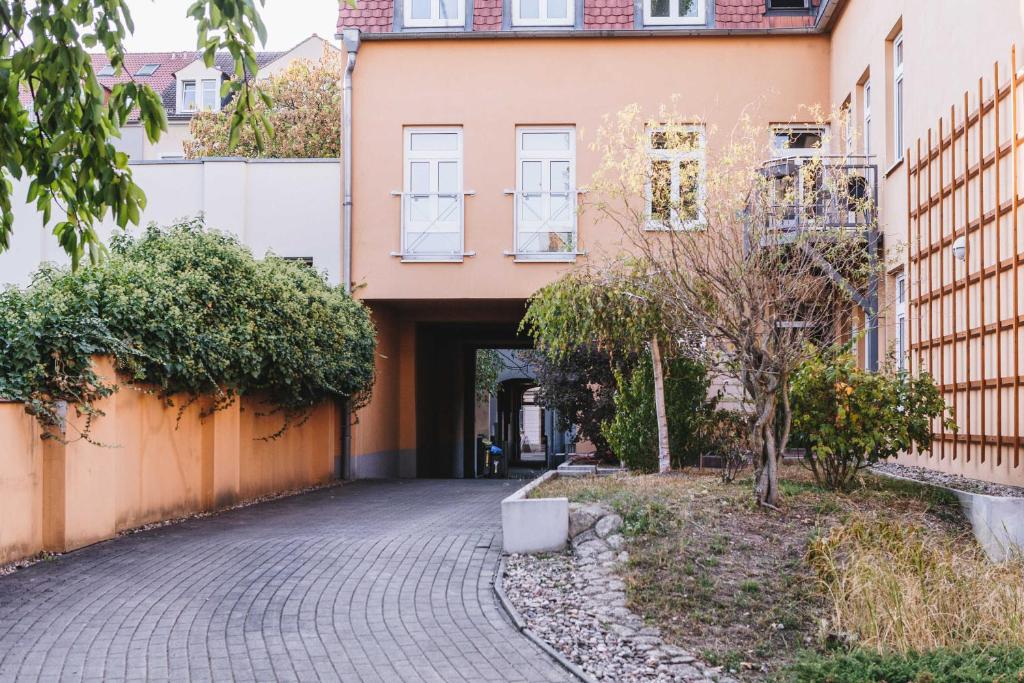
column 576, row 602
column 952, row 481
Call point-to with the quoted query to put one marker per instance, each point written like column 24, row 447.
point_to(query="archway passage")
column 424, row 419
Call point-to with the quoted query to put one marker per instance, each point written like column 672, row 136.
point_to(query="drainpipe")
column 350, row 41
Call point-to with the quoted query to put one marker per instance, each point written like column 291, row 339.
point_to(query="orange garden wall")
column 142, row 464
column 21, row 484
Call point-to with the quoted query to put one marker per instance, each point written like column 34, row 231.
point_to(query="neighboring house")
column 186, row 86
column 464, row 110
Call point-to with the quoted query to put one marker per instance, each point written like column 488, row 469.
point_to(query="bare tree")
column 758, row 251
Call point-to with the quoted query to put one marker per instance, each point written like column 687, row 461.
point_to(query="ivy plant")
column 185, row 311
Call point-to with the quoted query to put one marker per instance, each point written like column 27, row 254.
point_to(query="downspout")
column 350, row 41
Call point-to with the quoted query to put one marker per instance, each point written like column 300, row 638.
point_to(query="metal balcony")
column 817, row 193
column 804, row 200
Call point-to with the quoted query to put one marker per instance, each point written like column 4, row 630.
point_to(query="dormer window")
column 543, row 12
column 788, row 5
column 108, row 70
column 147, row 70
column 675, row 12
column 434, row 13
column 196, row 95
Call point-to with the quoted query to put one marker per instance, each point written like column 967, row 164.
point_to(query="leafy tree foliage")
column 488, row 368
column 58, row 120
column 716, row 255
column 600, row 308
column 604, row 309
column 850, row 418
column 185, row 311
column 633, row 431
column 580, row 386
column 305, row 114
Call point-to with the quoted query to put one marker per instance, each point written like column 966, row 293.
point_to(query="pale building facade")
column 464, row 113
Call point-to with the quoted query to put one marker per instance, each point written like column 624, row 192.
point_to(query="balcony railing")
column 432, row 226
column 545, row 225
column 807, row 193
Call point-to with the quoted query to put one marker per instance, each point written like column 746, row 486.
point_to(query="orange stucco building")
column 471, row 122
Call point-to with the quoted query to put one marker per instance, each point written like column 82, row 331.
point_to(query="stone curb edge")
column 520, row 624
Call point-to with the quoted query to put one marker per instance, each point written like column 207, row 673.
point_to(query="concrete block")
column 534, row 525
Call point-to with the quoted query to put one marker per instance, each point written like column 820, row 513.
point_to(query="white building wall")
column 288, row 206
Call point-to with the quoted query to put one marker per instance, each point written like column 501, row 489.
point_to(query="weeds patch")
column 973, row 665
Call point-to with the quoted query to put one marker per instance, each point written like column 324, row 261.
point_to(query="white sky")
column 161, row 25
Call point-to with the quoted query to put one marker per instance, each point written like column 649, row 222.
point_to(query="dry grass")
column 735, row 583
column 903, row 588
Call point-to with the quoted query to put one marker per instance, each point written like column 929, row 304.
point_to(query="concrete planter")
column 534, row 525
column 997, row 521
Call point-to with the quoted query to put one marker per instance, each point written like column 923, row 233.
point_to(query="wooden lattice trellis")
column 965, row 317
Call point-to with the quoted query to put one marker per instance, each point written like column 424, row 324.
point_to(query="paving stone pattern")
column 372, row 581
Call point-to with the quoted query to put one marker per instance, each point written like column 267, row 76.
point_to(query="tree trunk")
column 664, row 457
column 766, row 480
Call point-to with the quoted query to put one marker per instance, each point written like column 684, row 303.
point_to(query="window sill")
column 432, row 258
column 554, row 257
column 656, row 25
column 516, row 25
column 895, row 165
column 688, row 227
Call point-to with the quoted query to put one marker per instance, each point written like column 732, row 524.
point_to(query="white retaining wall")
column 289, row 206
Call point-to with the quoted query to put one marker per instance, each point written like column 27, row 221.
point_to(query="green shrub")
column 974, row 665
column 849, row 418
column 185, row 310
column 633, row 431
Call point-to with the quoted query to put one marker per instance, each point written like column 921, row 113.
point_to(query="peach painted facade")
column 489, row 78
column 143, row 464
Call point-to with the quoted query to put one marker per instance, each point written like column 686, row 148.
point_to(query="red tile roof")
column 377, row 16
column 751, row 14
column 487, row 15
column 608, row 14
column 162, row 80
column 372, row 16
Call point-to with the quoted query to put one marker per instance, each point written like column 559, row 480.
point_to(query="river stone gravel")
column 576, row 602
column 952, row 481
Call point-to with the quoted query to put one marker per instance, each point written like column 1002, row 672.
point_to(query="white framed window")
column 867, row 116
column 676, row 176
column 675, row 12
column 902, row 341
column 431, row 13
column 543, row 12
column 545, row 193
column 432, row 196
column 211, row 95
column 798, row 141
column 849, row 127
column 188, row 96
column 898, row 96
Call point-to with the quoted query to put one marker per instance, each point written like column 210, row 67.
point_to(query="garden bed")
column 949, row 481
column 740, row 587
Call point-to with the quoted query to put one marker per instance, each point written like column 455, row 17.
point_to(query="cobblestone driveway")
column 373, row 581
